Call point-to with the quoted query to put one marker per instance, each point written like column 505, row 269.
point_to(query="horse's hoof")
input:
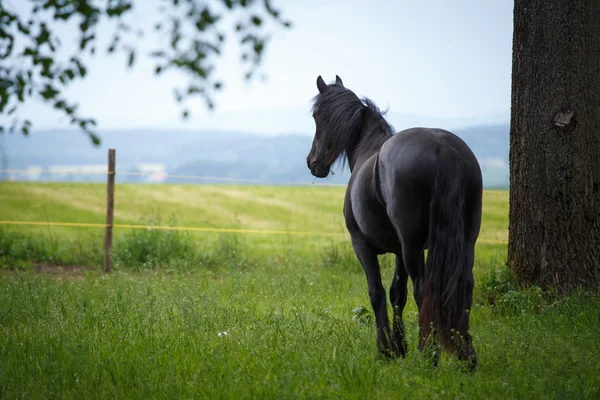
column 433, row 355
column 470, row 365
column 399, row 345
column 386, row 353
column 468, row 358
column 401, row 349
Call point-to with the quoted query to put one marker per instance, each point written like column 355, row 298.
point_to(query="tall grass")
column 280, row 331
column 175, row 249
column 21, row 249
column 189, row 315
column 150, row 248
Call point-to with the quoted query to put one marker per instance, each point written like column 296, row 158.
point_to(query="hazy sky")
column 450, row 60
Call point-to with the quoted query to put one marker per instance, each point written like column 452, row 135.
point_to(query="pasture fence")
column 110, row 205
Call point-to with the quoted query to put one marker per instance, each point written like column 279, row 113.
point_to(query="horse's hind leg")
column 414, row 260
column 368, row 258
column 466, row 351
column 398, row 295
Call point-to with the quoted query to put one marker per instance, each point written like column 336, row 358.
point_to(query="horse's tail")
column 444, row 289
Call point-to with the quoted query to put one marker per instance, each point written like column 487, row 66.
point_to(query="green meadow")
column 238, row 314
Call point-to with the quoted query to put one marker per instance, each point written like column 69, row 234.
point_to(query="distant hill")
column 220, row 154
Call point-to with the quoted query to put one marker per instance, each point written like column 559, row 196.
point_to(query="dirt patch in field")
column 60, row 272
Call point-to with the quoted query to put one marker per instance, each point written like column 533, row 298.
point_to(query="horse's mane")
column 341, row 113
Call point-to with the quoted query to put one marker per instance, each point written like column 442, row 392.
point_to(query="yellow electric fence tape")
column 195, row 229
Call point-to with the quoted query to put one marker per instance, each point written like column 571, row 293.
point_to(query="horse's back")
column 410, row 157
column 407, row 168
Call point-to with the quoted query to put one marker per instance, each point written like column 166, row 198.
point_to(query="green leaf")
column 30, row 52
column 131, row 58
column 60, row 105
column 119, row 9
column 259, row 47
column 95, row 139
column 80, row 67
column 23, row 29
column 49, row 92
column 193, row 89
column 64, row 15
column 25, row 128
column 85, row 41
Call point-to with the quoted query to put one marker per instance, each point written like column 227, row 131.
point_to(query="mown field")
column 251, row 315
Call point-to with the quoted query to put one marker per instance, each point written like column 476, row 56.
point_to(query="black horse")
column 415, row 190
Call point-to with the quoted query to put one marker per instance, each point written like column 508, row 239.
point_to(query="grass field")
column 232, row 315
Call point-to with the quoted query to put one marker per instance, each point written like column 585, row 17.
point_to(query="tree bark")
column 554, row 222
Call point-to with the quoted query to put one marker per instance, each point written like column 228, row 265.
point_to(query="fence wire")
column 167, row 176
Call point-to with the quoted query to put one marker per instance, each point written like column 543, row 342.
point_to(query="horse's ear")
column 321, row 84
column 338, row 81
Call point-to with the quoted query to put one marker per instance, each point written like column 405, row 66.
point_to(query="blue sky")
column 430, row 62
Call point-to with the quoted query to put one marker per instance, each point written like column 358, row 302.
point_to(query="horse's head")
column 327, row 146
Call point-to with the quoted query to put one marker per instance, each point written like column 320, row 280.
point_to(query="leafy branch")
column 29, row 48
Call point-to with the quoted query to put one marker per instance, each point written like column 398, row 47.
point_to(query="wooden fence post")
column 110, row 207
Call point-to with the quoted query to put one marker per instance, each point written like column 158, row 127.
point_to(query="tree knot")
column 564, row 118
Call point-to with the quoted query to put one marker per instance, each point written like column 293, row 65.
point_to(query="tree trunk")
column 554, row 223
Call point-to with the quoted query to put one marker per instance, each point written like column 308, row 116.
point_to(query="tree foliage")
column 30, row 44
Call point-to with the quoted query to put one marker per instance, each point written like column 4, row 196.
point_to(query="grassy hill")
column 252, row 315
